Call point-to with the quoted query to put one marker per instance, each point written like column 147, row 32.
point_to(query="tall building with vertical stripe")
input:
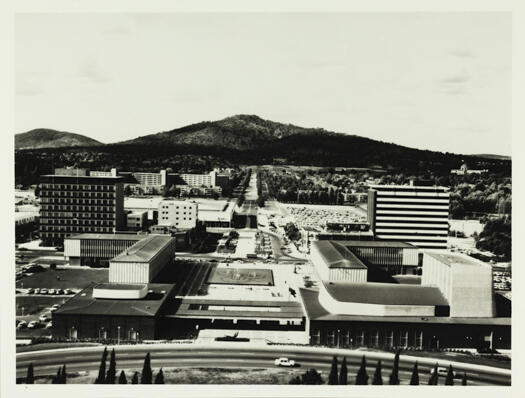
column 417, row 214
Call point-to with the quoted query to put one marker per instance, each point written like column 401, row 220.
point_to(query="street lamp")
column 118, row 335
column 338, row 336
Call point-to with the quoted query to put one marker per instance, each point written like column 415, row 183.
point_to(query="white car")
column 33, row 325
column 284, row 362
column 443, row 371
column 45, row 317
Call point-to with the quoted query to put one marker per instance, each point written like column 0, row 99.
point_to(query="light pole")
column 338, row 336
column 118, row 335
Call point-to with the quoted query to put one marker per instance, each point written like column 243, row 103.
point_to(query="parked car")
column 43, row 291
column 30, row 290
column 45, row 317
column 51, row 291
column 33, row 325
column 37, row 290
column 68, row 291
column 49, row 325
column 284, row 362
column 21, row 325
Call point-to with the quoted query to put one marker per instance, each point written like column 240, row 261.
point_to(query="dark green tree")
column 122, row 378
column 135, row 378
column 147, row 375
column 414, row 379
column 295, row 380
column 112, row 371
column 58, row 377
column 394, row 375
column 30, row 378
column 101, row 378
column 159, row 378
column 378, row 378
column 433, row 379
column 332, row 377
column 63, row 375
column 362, row 376
column 464, row 379
column 449, row 381
column 343, row 373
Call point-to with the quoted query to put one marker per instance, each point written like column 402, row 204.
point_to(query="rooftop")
column 119, row 286
column 452, row 259
column 316, row 312
column 385, row 293
column 85, row 304
column 338, row 256
column 375, row 243
column 144, row 250
column 108, row 236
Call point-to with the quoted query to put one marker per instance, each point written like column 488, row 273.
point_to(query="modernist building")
column 136, row 220
column 179, row 213
column 141, row 262
column 465, row 282
column 77, row 204
column 334, row 262
column 114, row 312
column 97, row 249
column 414, row 213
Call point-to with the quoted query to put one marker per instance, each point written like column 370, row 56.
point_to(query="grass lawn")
column 63, row 278
column 198, row 376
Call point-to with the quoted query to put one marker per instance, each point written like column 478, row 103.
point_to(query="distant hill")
column 241, row 132
column 47, row 138
column 492, row 156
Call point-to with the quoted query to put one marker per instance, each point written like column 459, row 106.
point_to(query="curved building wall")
column 348, row 308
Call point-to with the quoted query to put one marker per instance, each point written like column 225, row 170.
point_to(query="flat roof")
column 451, row 259
column 80, row 179
column 108, row 236
column 85, row 304
column 410, row 187
column 337, row 255
column 316, row 312
column 385, row 293
column 375, row 243
column 119, row 286
column 144, row 250
column 150, row 203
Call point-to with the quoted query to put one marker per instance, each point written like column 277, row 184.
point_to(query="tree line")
column 109, row 376
column 340, row 377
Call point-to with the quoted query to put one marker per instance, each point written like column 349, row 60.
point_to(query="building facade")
column 181, row 214
column 410, row 213
column 135, row 221
column 79, row 204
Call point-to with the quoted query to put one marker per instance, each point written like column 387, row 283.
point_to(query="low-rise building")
column 136, row 221
column 141, row 262
column 182, row 214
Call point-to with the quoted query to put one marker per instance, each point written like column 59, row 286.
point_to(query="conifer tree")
column 343, row 373
column 378, row 378
column 414, row 380
column 101, row 378
column 159, row 379
column 30, row 378
column 135, row 379
column 147, row 374
column 63, row 375
column 464, row 379
column 362, row 376
column 332, row 377
column 112, row 371
column 394, row 376
column 433, row 380
column 122, row 378
column 449, row 381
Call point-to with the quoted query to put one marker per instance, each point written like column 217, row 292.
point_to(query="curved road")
column 239, row 355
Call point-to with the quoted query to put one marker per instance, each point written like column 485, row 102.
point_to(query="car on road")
column 51, row 291
column 290, row 363
column 49, row 325
column 59, row 291
column 54, row 307
column 443, row 371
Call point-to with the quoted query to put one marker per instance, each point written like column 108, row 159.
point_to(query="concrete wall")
column 347, row 275
column 129, row 272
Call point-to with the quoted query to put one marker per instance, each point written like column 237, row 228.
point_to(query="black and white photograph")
column 312, row 203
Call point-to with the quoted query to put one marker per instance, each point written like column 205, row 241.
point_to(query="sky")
column 438, row 81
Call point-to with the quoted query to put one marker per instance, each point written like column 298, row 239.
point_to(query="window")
column 389, row 341
column 403, row 339
column 419, row 339
column 331, row 337
column 360, row 338
column 374, row 339
column 316, row 337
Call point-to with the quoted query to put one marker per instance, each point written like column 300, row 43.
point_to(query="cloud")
column 91, row 69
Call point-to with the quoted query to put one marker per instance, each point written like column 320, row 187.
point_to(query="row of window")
column 345, row 338
column 99, row 209
column 79, row 201
column 66, row 215
column 59, row 231
column 78, row 187
column 75, row 222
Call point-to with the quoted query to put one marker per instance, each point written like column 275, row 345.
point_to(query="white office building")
column 179, row 213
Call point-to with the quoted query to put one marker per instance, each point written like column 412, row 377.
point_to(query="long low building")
column 114, row 312
column 141, row 262
column 382, row 299
column 97, row 249
column 333, row 262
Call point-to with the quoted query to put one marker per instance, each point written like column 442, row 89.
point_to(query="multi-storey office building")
column 410, row 213
column 79, row 204
column 179, row 213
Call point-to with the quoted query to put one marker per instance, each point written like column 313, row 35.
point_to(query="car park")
column 45, row 317
column 68, row 291
column 49, row 325
column 37, row 290
column 284, row 362
column 30, row 290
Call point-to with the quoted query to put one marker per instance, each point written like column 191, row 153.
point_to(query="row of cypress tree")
column 108, row 377
column 362, row 377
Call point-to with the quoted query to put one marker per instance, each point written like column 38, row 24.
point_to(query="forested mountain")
column 47, row 138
